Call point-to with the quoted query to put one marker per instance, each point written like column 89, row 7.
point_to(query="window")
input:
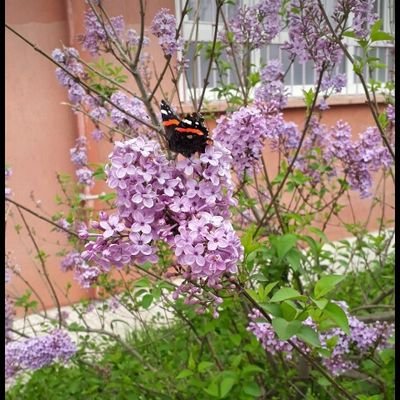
column 300, row 77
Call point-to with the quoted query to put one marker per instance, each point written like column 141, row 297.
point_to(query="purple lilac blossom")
column 309, row 36
column 37, row 352
column 163, row 27
column 185, row 204
column 97, row 37
column 266, row 335
column 97, row 134
column 390, row 112
column 244, row 132
column 359, row 158
column 132, row 38
column 254, row 26
column 85, row 176
column 362, row 339
column 272, row 87
column 130, row 105
column 336, row 82
column 68, row 58
column 364, row 16
column 79, row 152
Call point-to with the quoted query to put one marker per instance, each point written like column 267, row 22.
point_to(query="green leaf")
column 147, row 300
column 184, row 374
column 321, row 304
column 376, row 36
column 387, row 355
column 252, row 389
column 334, row 312
column 284, row 329
column 318, row 232
column 269, row 287
column 248, row 241
column 142, row 282
column 226, row 386
column 285, row 294
column 204, row 366
column 326, row 284
column 273, row 309
column 293, row 257
column 251, row 369
column 324, row 352
column 308, row 335
column 349, row 34
column 108, row 196
column 283, row 244
column 212, row 389
column 376, row 26
column 289, row 311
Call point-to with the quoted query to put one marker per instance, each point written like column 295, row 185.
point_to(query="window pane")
column 310, row 78
column 273, row 51
column 230, row 10
column 297, row 73
column 285, row 62
column 192, row 71
column 206, row 10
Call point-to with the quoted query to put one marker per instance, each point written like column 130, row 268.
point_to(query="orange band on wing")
column 171, row 122
column 190, row 130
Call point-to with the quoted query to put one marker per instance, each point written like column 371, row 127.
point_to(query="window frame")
column 205, row 30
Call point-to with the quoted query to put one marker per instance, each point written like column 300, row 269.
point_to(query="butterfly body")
column 185, row 136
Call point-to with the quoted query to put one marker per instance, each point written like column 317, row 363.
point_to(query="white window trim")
column 205, row 32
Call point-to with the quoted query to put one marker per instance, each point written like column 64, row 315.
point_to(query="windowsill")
column 219, row 106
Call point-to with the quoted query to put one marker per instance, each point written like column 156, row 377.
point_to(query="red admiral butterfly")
column 186, row 136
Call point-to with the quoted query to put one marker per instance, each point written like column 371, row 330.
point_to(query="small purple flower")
column 142, row 222
column 163, row 27
column 111, row 226
column 79, row 152
column 97, row 37
column 85, row 176
column 37, row 352
column 97, row 135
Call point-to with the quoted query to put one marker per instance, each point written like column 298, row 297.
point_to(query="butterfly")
column 185, row 136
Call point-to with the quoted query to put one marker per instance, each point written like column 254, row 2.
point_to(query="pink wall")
column 40, row 130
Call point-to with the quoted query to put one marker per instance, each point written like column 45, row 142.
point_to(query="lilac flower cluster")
column 84, row 274
column 68, row 58
column 185, row 205
column 163, row 27
column 7, row 174
column 363, row 338
column 97, row 35
column 80, row 159
column 272, row 87
column 245, row 131
column 364, row 16
column 359, row 158
column 37, row 352
column 309, row 36
column 254, row 26
column 331, row 84
column 79, row 152
column 336, row 82
column 390, row 112
column 132, row 106
column 265, row 334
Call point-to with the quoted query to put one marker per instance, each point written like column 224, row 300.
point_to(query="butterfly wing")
column 186, row 136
